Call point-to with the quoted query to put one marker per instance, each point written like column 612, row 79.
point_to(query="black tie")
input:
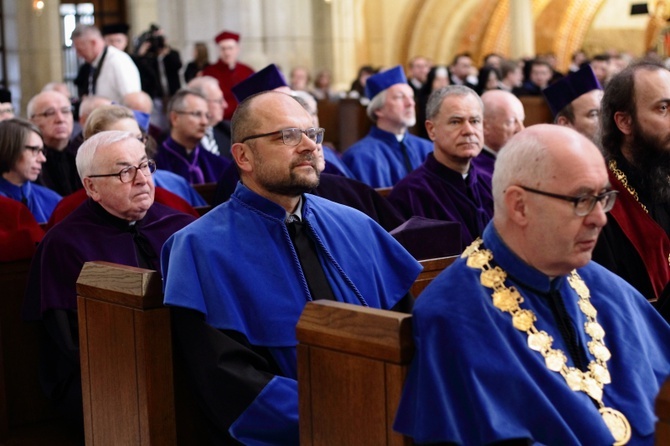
column 567, row 330
column 146, row 257
column 91, row 81
column 318, row 285
column 405, row 156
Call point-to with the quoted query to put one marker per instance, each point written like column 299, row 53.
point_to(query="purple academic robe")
column 198, row 167
column 486, row 160
column 88, row 233
column 435, row 191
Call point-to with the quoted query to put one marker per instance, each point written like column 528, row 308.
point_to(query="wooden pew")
column 384, row 191
column 207, row 191
column 26, row 415
column 352, row 362
column 663, row 413
column 431, row 269
column 132, row 391
column 536, row 109
column 345, row 122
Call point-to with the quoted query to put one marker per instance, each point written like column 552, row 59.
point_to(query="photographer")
column 154, row 52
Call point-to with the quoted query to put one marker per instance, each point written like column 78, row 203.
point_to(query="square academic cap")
column 572, row 86
column 381, row 81
column 266, row 79
column 427, row 238
column 227, row 35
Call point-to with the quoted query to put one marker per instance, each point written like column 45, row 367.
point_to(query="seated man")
column 449, row 186
column 239, row 277
column 182, row 151
column 524, row 340
column 389, row 151
column 118, row 223
column 575, row 102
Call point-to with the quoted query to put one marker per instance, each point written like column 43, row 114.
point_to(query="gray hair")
column 375, row 104
column 436, row 98
column 198, row 84
column 523, row 160
column 178, row 99
column 83, row 30
column 89, row 148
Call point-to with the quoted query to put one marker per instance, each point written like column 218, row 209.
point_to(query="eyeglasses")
column 50, row 113
column 128, row 174
column 293, row 136
column 6, row 110
column 583, row 204
column 195, row 114
column 36, row 150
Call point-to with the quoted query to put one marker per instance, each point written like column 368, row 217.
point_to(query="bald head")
column 546, row 231
column 503, row 118
column 140, row 101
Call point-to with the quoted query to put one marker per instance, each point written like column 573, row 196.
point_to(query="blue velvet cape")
column 40, row 200
column 377, row 160
column 197, row 167
column 474, row 380
column 238, row 267
column 436, row 191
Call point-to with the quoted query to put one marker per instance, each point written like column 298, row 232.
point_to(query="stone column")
column 522, row 29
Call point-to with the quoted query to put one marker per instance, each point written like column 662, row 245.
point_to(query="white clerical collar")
column 297, row 212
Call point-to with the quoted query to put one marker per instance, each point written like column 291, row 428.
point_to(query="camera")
column 156, row 41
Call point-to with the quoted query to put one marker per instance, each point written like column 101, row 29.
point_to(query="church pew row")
column 352, row 362
column 537, row 111
column 345, row 122
column 26, row 416
column 207, row 191
column 132, row 394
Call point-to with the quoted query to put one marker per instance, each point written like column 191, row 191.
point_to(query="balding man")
column 217, row 133
column 448, row 186
column 239, row 277
column 575, row 102
column 524, row 340
column 108, row 71
column 503, row 118
column 51, row 111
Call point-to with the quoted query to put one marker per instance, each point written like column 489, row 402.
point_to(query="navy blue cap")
column 381, row 81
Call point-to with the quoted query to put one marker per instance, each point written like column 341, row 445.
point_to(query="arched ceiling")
column 439, row 29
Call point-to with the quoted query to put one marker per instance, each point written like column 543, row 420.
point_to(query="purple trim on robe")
column 435, row 191
column 90, row 233
column 198, row 167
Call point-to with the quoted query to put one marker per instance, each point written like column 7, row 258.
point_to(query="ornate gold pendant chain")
column 592, row 382
column 618, row 173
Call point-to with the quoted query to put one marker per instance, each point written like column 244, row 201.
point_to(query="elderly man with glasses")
column 182, row 152
column 525, row 340
column 120, row 223
column 239, row 277
column 51, row 111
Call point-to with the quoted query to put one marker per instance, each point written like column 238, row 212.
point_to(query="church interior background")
column 338, row 35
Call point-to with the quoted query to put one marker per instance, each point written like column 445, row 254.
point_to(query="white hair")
column 88, row 149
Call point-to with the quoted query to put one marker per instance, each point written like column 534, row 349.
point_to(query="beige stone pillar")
column 38, row 48
column 522, row 27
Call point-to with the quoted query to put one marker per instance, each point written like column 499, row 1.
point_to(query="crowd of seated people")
column 129, row 179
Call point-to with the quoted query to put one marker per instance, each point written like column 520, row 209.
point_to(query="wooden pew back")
column 352, row 362
column 536, row 109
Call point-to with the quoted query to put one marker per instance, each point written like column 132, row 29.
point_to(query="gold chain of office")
column 618, row 173
column 592, row 382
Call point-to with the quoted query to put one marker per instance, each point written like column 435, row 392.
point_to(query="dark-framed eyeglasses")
column 292, row 136
column 36, row 150
column 128, row 174
column 583, row 204
column 51, row 112
column 195, row 114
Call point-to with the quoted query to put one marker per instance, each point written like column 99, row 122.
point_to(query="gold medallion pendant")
column 593, row 381
column 617, row 424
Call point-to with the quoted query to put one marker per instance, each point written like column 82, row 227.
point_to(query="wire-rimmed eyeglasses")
column 583, row 204
column 128, row 174
column 292, row 136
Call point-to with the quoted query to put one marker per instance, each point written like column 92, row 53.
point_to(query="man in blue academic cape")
column 448, row 185
column 525, row 340
column 388, row 152
column 239, row 277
